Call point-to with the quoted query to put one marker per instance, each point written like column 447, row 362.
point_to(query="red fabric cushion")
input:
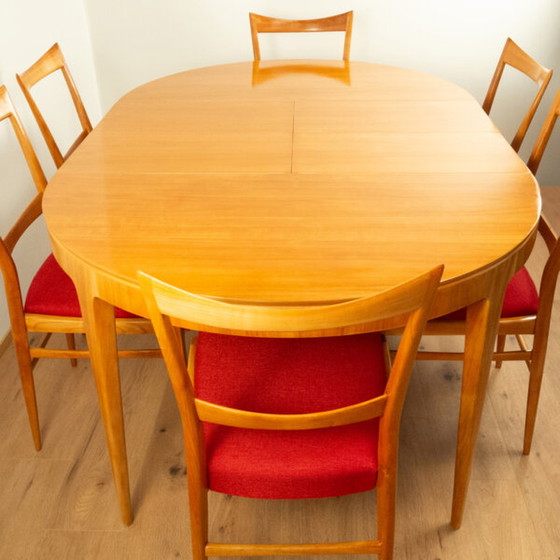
column 521, row 299
column 290, row 376
column 52, row 292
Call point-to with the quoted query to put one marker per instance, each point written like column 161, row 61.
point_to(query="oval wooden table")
column 293, row 181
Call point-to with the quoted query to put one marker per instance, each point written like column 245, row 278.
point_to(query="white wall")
column 27, row 29
column 133, row 41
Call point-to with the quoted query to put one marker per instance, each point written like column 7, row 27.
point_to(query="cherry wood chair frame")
column 50, row 62
column 172, row 309
column 537, row 325
column 512, row 55
column 22, row 322
column 265, row 24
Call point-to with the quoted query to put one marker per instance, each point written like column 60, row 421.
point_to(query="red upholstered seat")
column 521, row 299
column 52, row 292
column 290, row 376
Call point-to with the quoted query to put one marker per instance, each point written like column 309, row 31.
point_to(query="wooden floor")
column 60, row 503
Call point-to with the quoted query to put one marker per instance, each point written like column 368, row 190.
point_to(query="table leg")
column 482, row 326
column 99, row 317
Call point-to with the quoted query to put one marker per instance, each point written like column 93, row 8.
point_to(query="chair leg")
column 500, row 347
column 535, row 381
column 71, row 343
column 198, row 510
column 386, row 497
column 28, row 388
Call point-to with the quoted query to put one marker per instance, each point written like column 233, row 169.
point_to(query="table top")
column 290, row 181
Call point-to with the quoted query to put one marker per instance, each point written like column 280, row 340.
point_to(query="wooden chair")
column 526, row 311
column 51, row 305
column 517, row 58
column 50, row 62
column 264, row 24
column 272, row 417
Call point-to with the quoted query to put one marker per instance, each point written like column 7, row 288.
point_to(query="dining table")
column 293, row 181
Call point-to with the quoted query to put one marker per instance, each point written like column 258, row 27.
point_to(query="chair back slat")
column 366, row 410
column 264, row 24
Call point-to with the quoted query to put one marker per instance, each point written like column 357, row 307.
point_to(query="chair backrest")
column 50, row 62
column 552, row 267
column 544, row 135
column 29, row 215
column 7, row 111
column 517, row 58
column 264, row 24
column 172, row 309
